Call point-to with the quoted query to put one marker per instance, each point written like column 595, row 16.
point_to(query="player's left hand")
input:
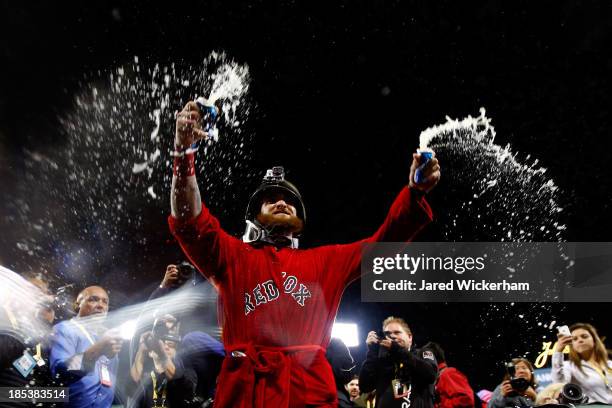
column 431, row 173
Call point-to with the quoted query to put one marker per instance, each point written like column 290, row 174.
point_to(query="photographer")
column 157, row 369
column 184, row 277
column 199, row 351
column 518, row 387
column 398, row 374
column 588, row 365
column 174, row 277
column 24, row 348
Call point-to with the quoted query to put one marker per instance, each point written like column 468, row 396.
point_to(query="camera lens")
column 572, row 394
column 573, row 391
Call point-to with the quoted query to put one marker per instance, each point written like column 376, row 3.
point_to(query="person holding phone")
column 589, row 365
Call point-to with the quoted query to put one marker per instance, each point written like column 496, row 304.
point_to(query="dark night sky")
column 319, row 78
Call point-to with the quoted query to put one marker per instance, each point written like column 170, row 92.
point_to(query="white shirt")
column 593, row 383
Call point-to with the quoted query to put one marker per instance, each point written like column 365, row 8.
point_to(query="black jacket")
column 344, row 401
column 180, row 391
column 417, row 369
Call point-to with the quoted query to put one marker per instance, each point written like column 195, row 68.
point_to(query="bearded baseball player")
column 277, row 302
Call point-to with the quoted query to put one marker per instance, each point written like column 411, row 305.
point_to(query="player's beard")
column 281, row 225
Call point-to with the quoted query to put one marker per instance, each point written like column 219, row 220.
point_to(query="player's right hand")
column 431, row 173
column 188, row 126
column 372, row 338
column 171, row 277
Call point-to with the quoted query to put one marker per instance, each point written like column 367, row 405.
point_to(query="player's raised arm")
column 408, row 214
column 185, row 199
column 410, row 211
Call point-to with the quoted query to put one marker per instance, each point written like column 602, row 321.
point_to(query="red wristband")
column 184, row 166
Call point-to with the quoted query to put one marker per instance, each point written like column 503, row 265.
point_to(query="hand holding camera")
column 386, row 343
column 171, row 277
column 378, row 338
column 509, row 390
column 153, row 345
column 372, row 338
column 142, row 343
column 176, row 275
column 506, row 389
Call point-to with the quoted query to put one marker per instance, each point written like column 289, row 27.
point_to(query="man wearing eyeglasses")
column 402, row 377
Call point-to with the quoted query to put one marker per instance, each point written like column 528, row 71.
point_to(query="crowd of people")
column 395, row 375
column 173, row 368
column 277, row 306
column 172, row 365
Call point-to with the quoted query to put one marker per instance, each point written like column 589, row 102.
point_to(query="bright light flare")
column 347, row 332
column 127, row 329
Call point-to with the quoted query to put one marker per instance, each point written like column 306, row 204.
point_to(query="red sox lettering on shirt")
column 267, row 292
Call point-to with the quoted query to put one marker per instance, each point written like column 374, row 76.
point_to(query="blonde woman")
column 550, row 394
column 588, row 365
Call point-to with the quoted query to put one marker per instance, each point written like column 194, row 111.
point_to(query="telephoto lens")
column 571, row 394
column 186, row 272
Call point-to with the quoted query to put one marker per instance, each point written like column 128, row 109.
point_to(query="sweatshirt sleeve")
column 370, row 370
column 408, row 214
column 205, row 243
column 561, row 371
column 497, row 399
column 65, row 361
column 421, row 365
column 11, row 348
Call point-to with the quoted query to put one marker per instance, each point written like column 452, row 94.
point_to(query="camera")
column 275, row 175
column 571, row 394
column 383, row 352
column 165, row 328
column 518, row 384
column 62, row 302
column 186, row 272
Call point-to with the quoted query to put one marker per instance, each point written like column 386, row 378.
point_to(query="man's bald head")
column 92, row 300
